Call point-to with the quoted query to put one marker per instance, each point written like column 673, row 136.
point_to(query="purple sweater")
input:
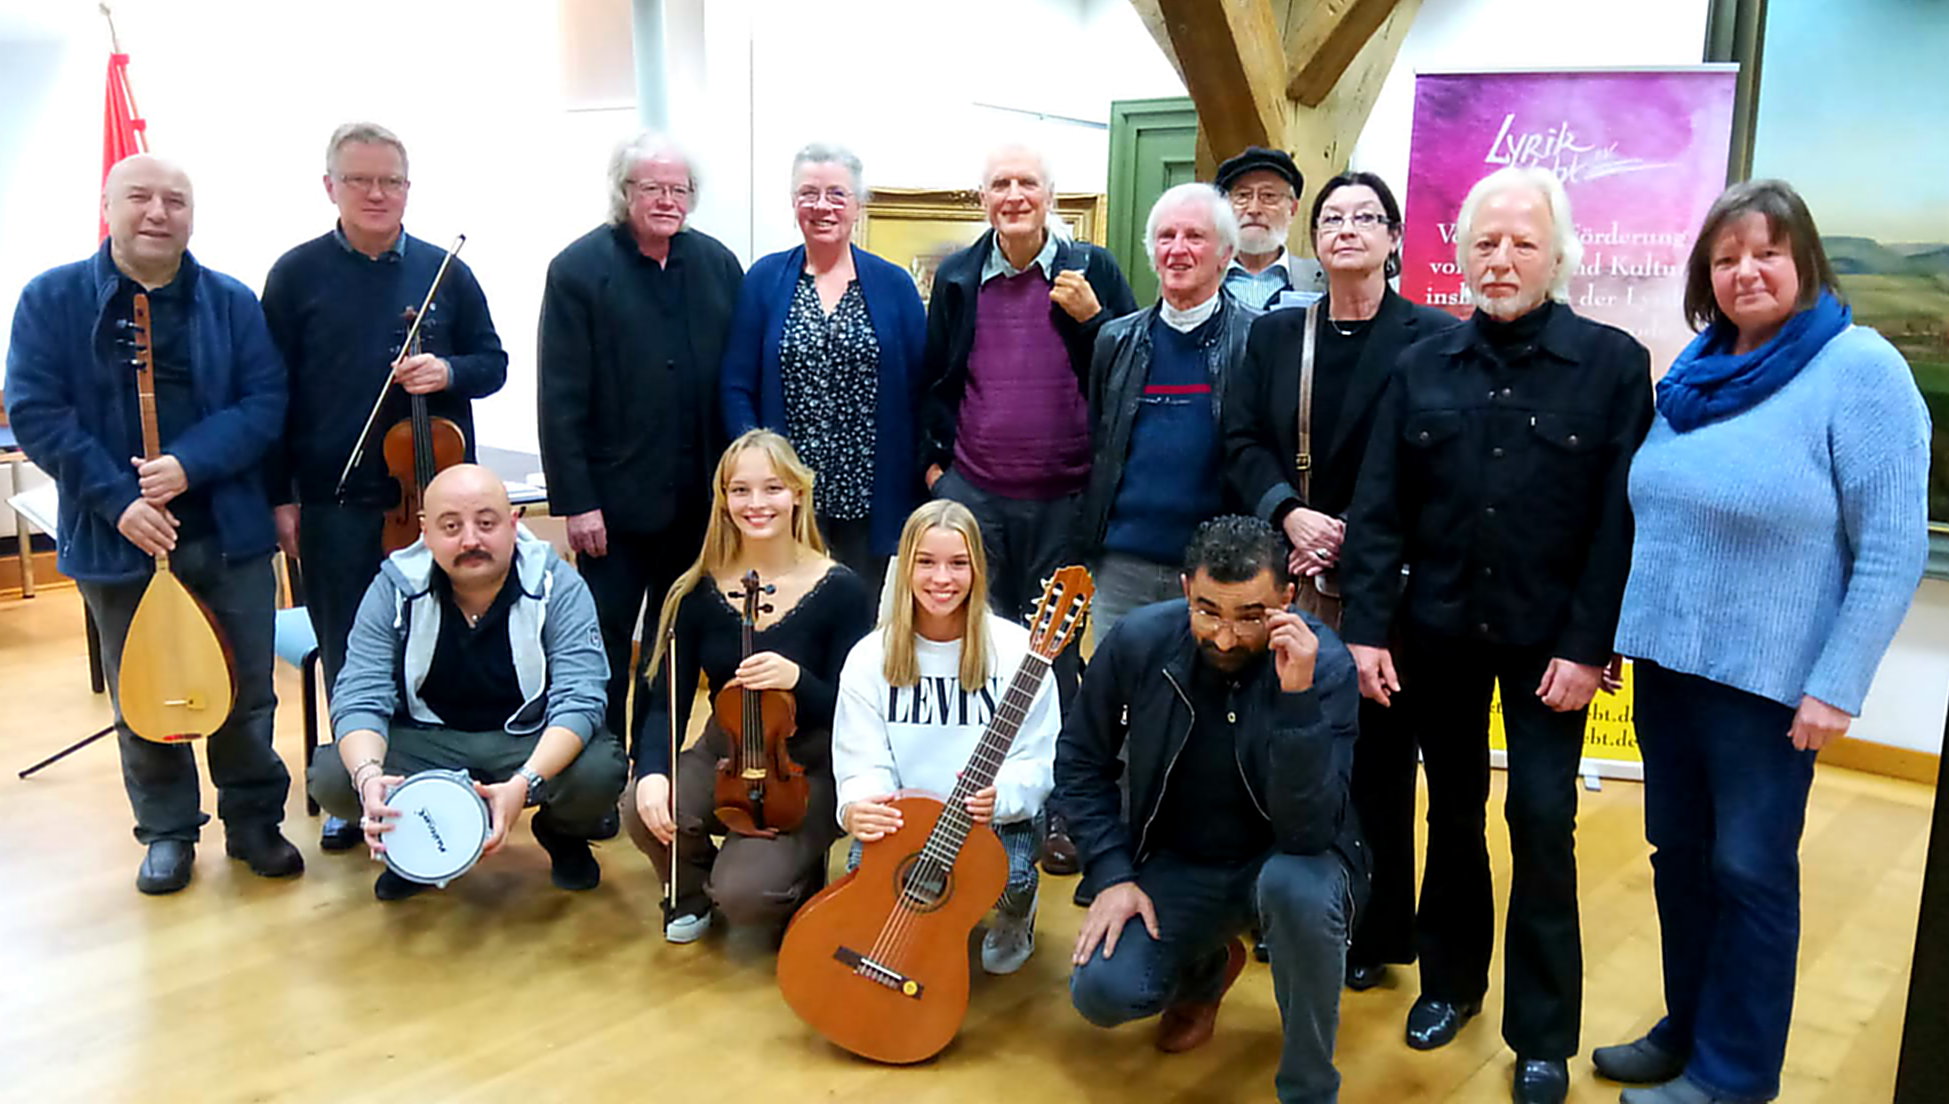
column 1024, row 425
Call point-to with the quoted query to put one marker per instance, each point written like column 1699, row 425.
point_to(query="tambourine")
column 440, row 827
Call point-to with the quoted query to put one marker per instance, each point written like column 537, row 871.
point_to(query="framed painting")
column 917, row 229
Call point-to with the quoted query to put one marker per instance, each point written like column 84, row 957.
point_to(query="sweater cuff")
column 1279, row 500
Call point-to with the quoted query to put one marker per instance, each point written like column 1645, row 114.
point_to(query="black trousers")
column 628, row 585
column 851, row 543
column 1383, row 791
column 1451, row 681
column 1025, row 541
column 340, row 549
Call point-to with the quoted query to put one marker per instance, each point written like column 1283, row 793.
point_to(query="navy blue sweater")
column 338, row 318
column 1170, row 479
column 71, row 398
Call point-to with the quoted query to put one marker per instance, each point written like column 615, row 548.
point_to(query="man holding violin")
column 219, row 397
column 476, row 649
column 339, row 308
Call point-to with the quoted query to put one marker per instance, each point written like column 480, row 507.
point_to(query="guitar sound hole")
column 924, row 884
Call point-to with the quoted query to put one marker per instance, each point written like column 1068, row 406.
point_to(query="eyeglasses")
column 650, row 189
column 1264, row 197
column 1332, row 221
column 833, row 197
column 1251, row 624
column 359, row 182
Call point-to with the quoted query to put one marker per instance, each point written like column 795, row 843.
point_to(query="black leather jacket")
column 1294, row 750
column 1119, row 369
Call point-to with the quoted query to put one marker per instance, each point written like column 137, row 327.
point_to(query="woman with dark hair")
column 1294, row 464
column 825, row 348
column 1781, row 511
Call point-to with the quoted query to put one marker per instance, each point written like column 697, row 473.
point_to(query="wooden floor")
column 503, row 988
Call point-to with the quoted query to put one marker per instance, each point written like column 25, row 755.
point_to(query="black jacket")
column 1295, row 750
column 1262, row 409
column 951, row 329
column 1119, row 370
column 1502, row 487
column 617, row 395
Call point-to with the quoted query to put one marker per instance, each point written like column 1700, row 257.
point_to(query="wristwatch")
column 537, row 785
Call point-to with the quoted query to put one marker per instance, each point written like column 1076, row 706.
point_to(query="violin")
column 759, row 790
column 417, row 448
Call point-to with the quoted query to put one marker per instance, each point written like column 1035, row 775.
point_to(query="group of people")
column 1325, row 524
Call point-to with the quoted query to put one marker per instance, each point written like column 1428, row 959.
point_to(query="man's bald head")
column 468, row 525
column 151, row 210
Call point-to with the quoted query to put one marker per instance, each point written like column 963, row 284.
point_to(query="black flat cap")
column 1259, row 157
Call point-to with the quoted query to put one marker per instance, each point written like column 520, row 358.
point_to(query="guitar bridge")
column 875, row 972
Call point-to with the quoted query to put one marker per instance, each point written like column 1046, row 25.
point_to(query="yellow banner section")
column 1608, row 734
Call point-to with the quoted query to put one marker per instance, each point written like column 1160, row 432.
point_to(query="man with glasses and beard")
column 1264, row 186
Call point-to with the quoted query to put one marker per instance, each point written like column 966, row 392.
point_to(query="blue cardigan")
column 71, row 399
column 1778, row 549
column 754, row 396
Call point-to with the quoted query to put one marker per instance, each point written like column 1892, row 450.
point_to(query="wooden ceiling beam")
column 1325, row 41
column 1231, row 55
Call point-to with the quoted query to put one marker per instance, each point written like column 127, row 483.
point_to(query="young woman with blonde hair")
column 916, row 696
column 761, row 520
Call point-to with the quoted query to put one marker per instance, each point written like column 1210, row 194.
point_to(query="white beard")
column 1257, row 240
column 1509, row 308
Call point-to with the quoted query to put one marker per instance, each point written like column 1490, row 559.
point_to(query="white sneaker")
column 687, row 929
column 1009, row 943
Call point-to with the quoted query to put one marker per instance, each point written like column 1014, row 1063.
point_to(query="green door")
column 1153, row 146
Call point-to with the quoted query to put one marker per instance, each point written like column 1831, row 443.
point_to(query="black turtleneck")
column 1515, row 339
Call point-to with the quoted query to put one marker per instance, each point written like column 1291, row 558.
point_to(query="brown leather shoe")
column 1187, row 1025
column 1058, row 850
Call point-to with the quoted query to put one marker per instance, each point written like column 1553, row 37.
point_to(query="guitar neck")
column 986, row 762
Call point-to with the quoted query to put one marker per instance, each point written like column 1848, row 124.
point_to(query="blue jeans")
column 1125, row 582
column 1725, row 797
column 1305, row 906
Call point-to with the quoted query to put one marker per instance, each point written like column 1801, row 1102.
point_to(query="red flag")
column 123, row 131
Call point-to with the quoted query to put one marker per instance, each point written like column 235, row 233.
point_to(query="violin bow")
column 358, row 450
column 670, row 678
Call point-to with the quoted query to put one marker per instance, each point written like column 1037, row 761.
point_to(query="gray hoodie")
column 558, row 655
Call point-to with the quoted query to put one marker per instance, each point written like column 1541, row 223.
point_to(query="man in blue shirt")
column 220, row 398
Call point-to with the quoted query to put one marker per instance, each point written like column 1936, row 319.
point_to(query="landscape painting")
column 1850, row 107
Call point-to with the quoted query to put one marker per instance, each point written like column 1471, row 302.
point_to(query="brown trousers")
column 751, row 881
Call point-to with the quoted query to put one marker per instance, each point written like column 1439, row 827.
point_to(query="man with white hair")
column 1157, row 384
column 634, row 319
column 219, row 407
column 339, row 307
column 1004, row 423
column 1496, row 473
column 1264, row 185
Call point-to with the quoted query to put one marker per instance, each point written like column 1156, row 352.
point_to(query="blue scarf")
column 1709, row 382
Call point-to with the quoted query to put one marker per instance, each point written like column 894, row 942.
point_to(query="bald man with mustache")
column 220, row 401
column 476, row 648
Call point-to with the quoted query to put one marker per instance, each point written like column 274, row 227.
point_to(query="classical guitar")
column 177, row 680
column 878, row 961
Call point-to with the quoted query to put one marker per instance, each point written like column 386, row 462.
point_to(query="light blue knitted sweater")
column 1777, row 550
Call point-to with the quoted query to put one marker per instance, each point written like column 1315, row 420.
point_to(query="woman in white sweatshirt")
column 915, row 698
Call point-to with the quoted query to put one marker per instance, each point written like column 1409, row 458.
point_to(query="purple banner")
column 1642, row 154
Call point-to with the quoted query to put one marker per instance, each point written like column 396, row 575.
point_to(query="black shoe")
column 340, row 834
column 1361, row 977
column 1058, row 850
column 1433, row 1023
column 1639, row 1062
column 392, row 887
column 574, row 866
column 1540, row 1081
column 1085, row 894
column 166, row 868
column 609, row 827
column 1260, row 952
column 262, row 846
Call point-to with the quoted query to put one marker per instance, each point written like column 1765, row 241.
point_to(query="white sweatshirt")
column 921, row 737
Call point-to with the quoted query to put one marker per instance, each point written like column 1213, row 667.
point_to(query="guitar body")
column 176, row 682
column 913, row 1012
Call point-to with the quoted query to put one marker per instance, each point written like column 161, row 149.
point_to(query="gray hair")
column 1564, row 243
column 366, row 133
column 1051, row 219
column 822, row 153
column 1224, row 221
column 642, row 146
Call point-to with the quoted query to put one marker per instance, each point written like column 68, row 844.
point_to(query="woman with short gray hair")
column 825, row 348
